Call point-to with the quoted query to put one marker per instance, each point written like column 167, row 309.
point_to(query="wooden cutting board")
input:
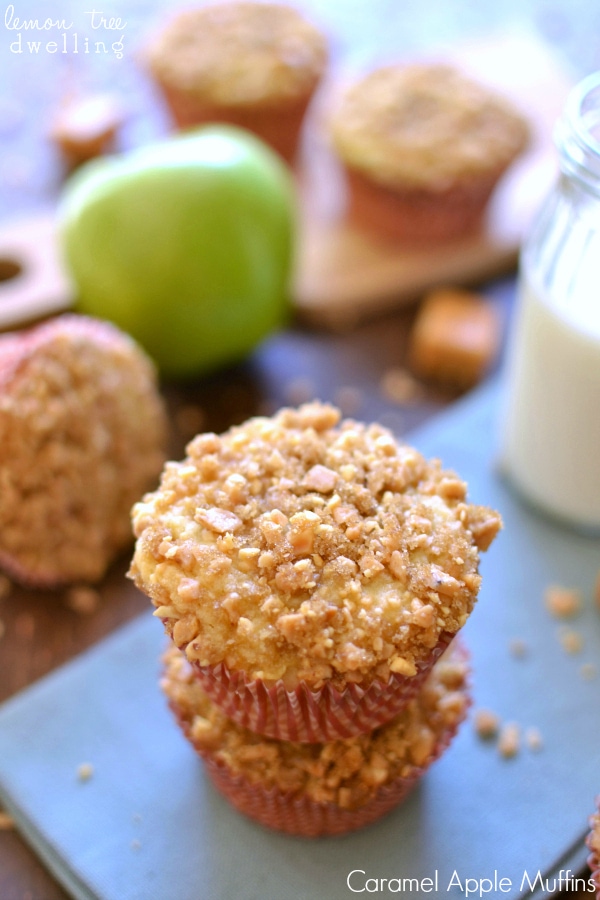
column 343, row 274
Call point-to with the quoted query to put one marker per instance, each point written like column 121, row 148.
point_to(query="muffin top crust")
column 238, row 54
column 347, row 773
column 301, row 548
column 83, row 432
column 425, row 126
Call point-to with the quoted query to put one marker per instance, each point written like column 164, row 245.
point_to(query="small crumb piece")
column 588, row 671
column 82, row 599
column 399, row 386
column 86, row 127
column 6, row 821
column 572, row 641
column 455, row 337
column 487, row 723
column 299, row 390
column 518, row 648
column 533, row 739
column 136, row 844
column 563, row 603
column 84, row 771
column 349, row 399
column 6, row 587
column 509, row 740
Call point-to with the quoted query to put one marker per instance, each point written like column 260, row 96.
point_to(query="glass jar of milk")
column 551, row 430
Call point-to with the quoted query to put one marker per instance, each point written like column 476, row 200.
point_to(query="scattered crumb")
column 509, row 740
column 399, row 386
column 572, row 641
column 561, row 602
column 299, row 390
column 349, row 399
column 533, row 739
column 189, row 420
column 85, row 771
column 136, row 817
column 6, row 821
column 83, row 599
column 455, row 337
column 588, row 671
column 136, row 844
column 6, row 587
column 25, row 626
column 486, row 723
column 518, row 648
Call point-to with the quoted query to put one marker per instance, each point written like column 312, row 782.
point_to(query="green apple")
column 186, row 244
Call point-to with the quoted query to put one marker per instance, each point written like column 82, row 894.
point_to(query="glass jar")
column 550, row 443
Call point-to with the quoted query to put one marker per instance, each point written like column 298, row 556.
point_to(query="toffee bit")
column 561, row 602
column 509, row 740
column 84, row 771
column 487, row 724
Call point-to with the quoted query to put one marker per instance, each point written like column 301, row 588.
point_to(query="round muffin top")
column 425, row 126
column 347, row 773
column 302, row 549
column 238, row 54
column 83, row 435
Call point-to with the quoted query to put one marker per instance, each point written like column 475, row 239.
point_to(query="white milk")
column 551, row 431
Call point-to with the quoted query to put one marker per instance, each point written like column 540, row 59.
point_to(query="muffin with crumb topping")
column 311, row 570
column 321, row 788
column 423, row 147
column 252, row 64
column 83, row 431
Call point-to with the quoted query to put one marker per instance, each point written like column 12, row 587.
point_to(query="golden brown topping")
column 343, row 551
column 425, row 125
column 348, row 772
column 237, row 54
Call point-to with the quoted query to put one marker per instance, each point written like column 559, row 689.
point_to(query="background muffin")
column 83, row 431
column 423, row 147
column 312, row 571
column 593, row 842
column 317, row 789
column 252, row 64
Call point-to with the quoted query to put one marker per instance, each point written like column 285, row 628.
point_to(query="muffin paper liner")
column 300, row 815
column 312, row 716
column 594, row 857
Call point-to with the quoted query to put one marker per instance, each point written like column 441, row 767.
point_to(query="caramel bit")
column 563, row 603
column 347, row 773
column 487, row 724
column 345, row 550
column 455, row 338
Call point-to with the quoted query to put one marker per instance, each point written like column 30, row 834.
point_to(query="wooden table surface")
column 39, row 631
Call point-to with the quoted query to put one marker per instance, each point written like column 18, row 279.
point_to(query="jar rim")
column 577, row 134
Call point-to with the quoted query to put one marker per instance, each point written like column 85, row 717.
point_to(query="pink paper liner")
column 302, row 816
column 594, row 857
column 312, row 716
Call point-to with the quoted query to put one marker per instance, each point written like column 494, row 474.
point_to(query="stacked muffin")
column 310, row 574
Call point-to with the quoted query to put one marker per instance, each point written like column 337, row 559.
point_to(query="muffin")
column 423, row 147
column 312, row 571
column 251, row 64
column 83, row 431
column 328, row 788
column 593, row 843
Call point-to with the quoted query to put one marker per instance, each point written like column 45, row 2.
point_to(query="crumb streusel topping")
column 425, row 126
column 240, row 53
column 347, row 773
column 83, row 435
column 299, row 548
